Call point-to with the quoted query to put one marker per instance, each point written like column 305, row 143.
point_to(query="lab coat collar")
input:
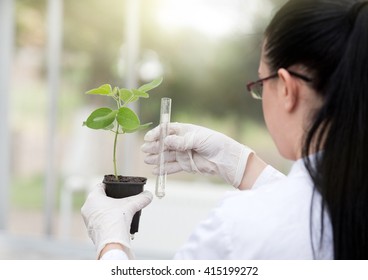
column 299, row 165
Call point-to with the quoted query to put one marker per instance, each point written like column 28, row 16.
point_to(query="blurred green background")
column 206, row 52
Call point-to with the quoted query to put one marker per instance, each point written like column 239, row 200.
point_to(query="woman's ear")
column 288, row 89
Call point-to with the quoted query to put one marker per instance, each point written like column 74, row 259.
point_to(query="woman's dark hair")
column 330, row 39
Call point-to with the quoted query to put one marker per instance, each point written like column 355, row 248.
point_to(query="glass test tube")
column 164, row 121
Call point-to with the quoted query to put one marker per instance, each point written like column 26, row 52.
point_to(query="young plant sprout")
column 121, row 119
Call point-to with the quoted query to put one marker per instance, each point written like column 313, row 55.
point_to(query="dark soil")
column 125, row 179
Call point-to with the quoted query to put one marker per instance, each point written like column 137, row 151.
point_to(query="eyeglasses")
column 256, row 88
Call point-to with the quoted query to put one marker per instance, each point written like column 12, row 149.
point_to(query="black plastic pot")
column 126, row 186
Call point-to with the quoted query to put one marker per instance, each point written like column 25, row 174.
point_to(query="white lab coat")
column 271, row 221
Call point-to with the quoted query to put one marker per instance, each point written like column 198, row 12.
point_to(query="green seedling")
column 121, row 119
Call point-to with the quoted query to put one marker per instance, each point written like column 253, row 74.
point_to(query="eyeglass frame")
column 259, row 82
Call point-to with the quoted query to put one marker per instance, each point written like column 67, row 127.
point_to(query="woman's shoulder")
column 264, row 222
column 288, row 197
column 280, row 192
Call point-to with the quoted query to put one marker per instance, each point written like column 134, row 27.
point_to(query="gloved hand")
column 108, row 219
column 195, row 149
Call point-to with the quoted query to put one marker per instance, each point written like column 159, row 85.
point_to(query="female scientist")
column 314, row 89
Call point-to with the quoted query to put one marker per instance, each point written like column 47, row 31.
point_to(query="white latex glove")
column 108, row 219
column 198, row 149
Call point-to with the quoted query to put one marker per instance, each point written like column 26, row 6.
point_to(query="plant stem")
column 114, row 154
column 116, row 136
column 115, row 142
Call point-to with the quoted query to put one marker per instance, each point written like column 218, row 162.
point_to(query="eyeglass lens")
column 256, row 90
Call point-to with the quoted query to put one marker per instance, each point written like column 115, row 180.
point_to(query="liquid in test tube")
column 165, row 113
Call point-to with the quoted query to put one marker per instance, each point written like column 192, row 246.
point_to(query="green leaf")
column 141, row 127
column 139, row 93
column 115, row 91
column 127, row 95
column 102, row 90
column 110, row 127
column 155, row 83
column 127, row 119
column 101, row 118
